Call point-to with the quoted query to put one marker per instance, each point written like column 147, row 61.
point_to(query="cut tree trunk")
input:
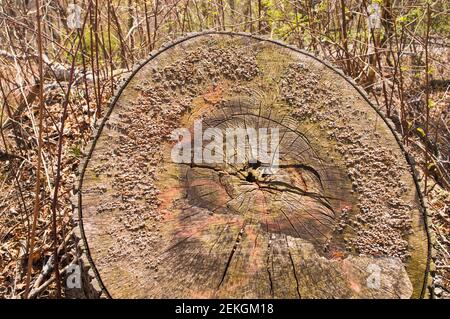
column 339, row 216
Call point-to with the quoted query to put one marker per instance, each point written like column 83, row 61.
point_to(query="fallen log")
column 338, row 214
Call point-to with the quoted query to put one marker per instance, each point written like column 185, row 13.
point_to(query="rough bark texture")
column 342, row 218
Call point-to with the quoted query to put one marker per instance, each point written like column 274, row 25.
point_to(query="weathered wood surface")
column 341, row 219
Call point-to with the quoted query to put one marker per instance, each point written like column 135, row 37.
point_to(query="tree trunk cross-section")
column 341, row 218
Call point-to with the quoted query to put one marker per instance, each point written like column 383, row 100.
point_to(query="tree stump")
column 341, row 218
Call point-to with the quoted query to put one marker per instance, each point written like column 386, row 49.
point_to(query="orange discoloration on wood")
column 214, row 94
column 168, row 195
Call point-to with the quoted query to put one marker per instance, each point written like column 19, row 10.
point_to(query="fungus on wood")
column 341, row 217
